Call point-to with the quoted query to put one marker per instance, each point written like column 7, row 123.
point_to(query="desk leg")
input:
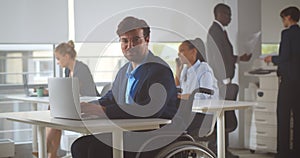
column 42, row 142
column 221, row 135
column 34, row 132
column 117, row 140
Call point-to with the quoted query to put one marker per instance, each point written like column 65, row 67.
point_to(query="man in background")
column 221, row 57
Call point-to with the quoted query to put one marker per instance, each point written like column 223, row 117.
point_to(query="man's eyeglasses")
column 135, row 40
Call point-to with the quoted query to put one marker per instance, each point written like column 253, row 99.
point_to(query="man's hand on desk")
column 92, row 109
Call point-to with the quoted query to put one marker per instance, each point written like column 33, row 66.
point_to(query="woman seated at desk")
column 193, row 72
column 65, row 55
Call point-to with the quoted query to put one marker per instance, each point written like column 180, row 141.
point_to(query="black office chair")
column 232, row 91
column 230, row 118
column 105, row 89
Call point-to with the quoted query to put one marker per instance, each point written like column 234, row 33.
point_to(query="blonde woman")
column 65, row 55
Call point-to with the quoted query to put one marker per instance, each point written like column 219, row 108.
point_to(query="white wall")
column 33, row 21
column 171, row 20
column 245, row 35
column 271, row 21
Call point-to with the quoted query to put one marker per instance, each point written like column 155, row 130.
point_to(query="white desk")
column 33, row 100
column 42, row 120
column 218, row 107
column 34, row 103
column 44, row 100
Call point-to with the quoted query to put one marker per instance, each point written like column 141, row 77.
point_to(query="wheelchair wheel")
column 185, row 149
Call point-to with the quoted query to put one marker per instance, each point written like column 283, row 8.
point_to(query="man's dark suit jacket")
column 220, row 57
column 288, row 60
column 219, row 51
column 155, row 94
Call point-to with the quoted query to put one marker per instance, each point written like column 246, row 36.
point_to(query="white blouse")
column 199, row 75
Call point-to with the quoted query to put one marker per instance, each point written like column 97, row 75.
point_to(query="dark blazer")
column 288, row 60
column 220, row 57
column 155, row 94
column 220, row 50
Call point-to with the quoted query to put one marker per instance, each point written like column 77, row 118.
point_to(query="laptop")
column 64, row 99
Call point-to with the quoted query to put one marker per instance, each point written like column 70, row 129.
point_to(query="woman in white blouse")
column 193, row 72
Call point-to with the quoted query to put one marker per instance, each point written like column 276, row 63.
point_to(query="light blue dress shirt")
column 132, row 81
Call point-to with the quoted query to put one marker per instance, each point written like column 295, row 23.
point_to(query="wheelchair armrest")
column 201, row 90
column 179, row 90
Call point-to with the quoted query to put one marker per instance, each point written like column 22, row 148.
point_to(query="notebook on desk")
column 64, row 99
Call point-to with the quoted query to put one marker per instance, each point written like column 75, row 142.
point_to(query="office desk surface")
column 43, row 118
column 216, row 105
column 44, row 100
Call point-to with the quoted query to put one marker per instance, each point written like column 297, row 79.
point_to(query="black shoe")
column 230, row 155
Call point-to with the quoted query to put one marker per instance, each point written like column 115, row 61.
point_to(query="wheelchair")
column 191, row 148
column 186, row 145
column 186, row 149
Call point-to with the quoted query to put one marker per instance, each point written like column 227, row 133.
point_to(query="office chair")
column 232, row 91
column 105, row 89
column 231, row 123
column 230, row 118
